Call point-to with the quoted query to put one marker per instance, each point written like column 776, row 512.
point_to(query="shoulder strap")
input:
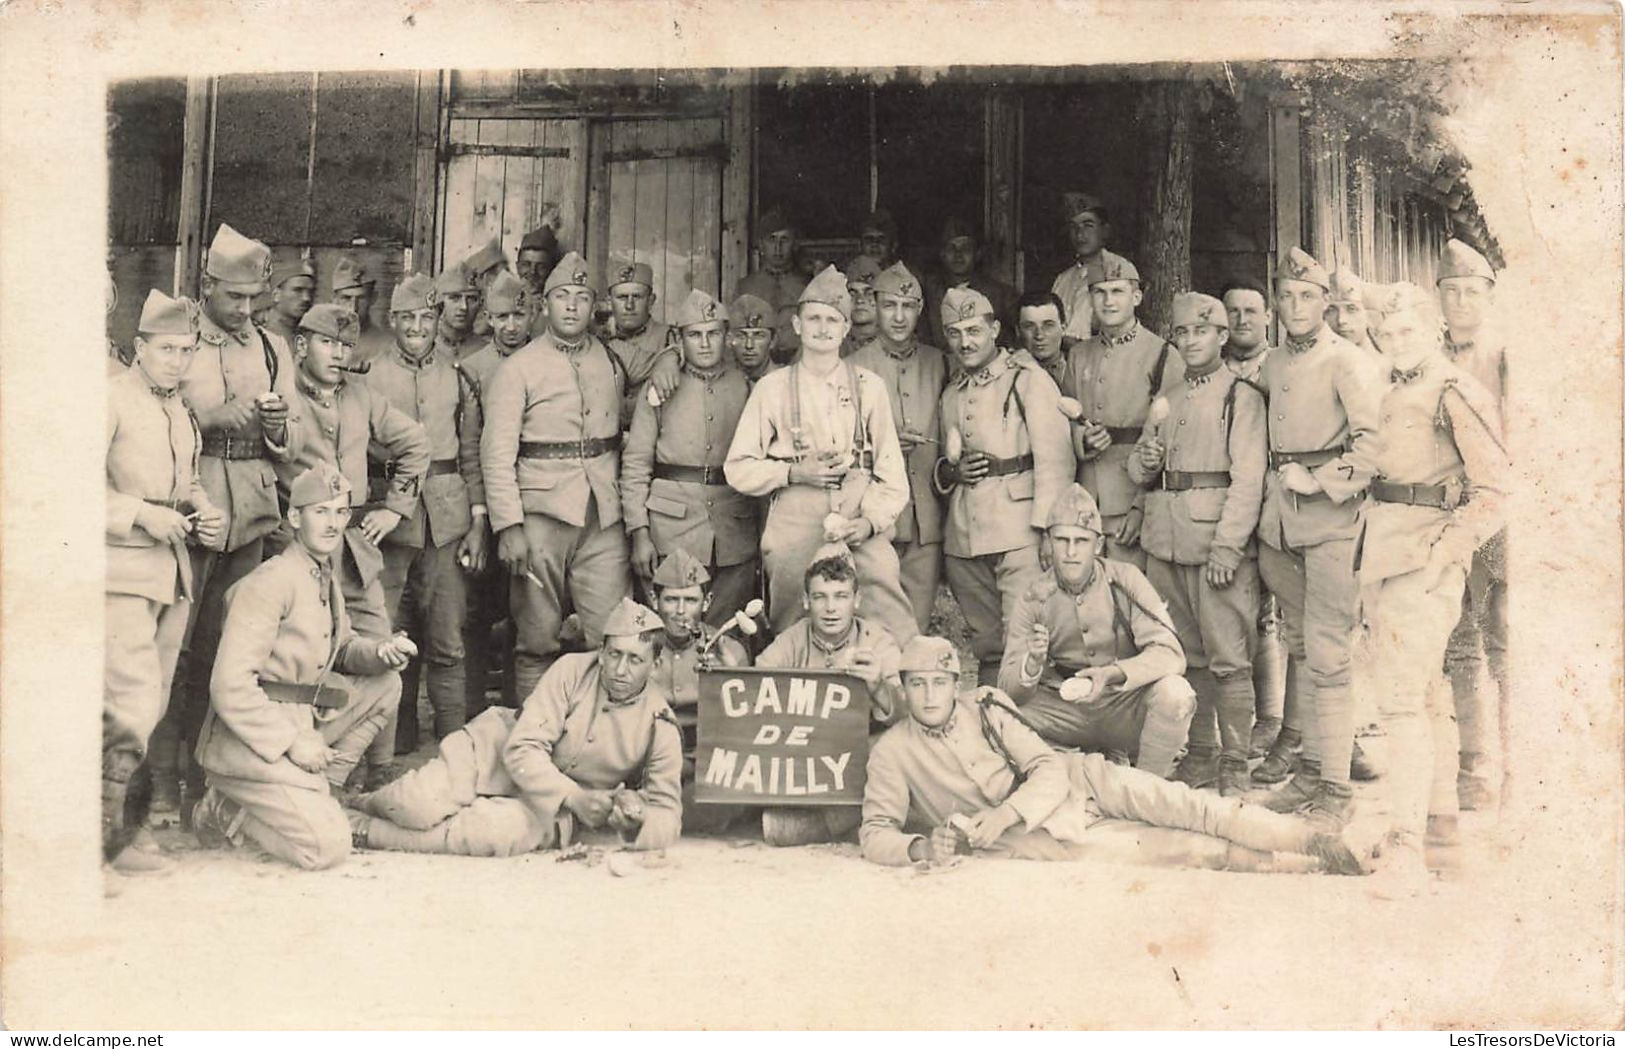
column 860, row 435
column 469, row 386
column 270, row 355
column 1227, row 413
column 1159, row 370
column 986, row 700
column 1120, row 618
column 616, row 365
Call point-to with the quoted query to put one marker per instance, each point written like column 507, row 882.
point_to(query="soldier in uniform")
column 682, row 595
column 1466, row 286
column 833, row 636
column 1323, row 440
column 1016, row 459
column 1087, row 226
column 1101, row 624
column 960, row 256
column 860, row 284
column 877, row 239
column 673, row 492
column 538, row 254
column 550, row 461
column 155, row 506
column 459, row 302
column 1248, row 308
column 293, row 292
column 959, row 775
column 422, row 577
column 1042, row 327
column 595, row 745
column 483, row 264
column 778, row 282
column 240, row 388
column 1203, row 468
column 1117, row 374
column 1436, row 497
column 914, row 374
column 296, row 696
column 354, row 289
column 1348, row 313
column 646, row 350
column 818, row 437
column 751, row 335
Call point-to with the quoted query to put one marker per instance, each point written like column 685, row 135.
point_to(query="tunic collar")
column 986, row 374
column 321, row 394
column 830, row 650
column 902, row 353
column 420, row 363
column 1125, row 336
column 944, row 730
column 1304, row 344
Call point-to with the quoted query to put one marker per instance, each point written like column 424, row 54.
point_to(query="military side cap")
column 748, row 311
column 1075, row 507
column 829, row 288
column 862, row 270
column 963, row 304
column 320, row 484
column 1401, row 297
column 162, row 315
column 955, row 228
column 774, row 220
column 629, row 619
column 882, row 220
column 1298, row 264
column 414, row 293
column 289, row 270
column 924, row 654
column 571, row 272
column 506, row 294
column 332, row 320
column 1191, row 307
column 699, row 308
column 681, row 569
column 634, row 273
column 351, row 272
column 488, row 257
column 455, row 280
column 541, row 239
column 1460, row 260
column 235, row 259
column 1112, row 267
column 1346, row 286
column 897, row 280
column 1075, row 203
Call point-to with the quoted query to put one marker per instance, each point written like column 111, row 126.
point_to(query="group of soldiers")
column 1173, row 555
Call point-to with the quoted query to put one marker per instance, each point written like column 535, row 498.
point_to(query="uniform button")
column 709, row 417
column 1182, row 422
column 1285, row 387
column 1280, row 418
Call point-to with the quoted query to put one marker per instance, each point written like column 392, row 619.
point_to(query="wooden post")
column 1165, row 217
column 426, row 171
column 1001, row 202
column 598, row 142
column 1286, row 176
column 736, row 186
column 195, row 135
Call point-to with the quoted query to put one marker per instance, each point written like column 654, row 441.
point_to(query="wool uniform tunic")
column 638, row 355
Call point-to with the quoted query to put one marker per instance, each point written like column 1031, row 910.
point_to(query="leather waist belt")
column 1004, row 467
column 231, row 446
column 328, row 697
column 1124, row 434
column 691, row 474
column 436, row 467
column 590, row 448
column 1308, row 460
column 1185, row 480
column 1439, row 496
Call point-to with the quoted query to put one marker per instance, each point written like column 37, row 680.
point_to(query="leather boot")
column 1330, row 810
column 1282, row 759
column 1233, row 780
column 1299, row 791
column 1361, row 770
column 1198, row 768
column 1265, row 730
column 1472, row 786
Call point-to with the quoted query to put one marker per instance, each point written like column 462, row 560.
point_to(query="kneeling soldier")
column 1203, row 471
column 595, row 744
column 959, row 775
column 1091, row 655
column 296, row 696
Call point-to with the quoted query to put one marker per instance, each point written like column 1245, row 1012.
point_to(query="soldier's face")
column 831, row 606
column 632, row 304
column 778, row 250
column 534, row 264
column 751, row 346
column 1075, row 548
column 899, row 316
column 511, row 328
column 1041, row 331
column 702, row 344
column 681, row 609
column 624, row 664
column 1114, row 301
column 321, row 356
column 1465, row 301
column 959, row 256
column 1087, row 234
column 569, row 311
column 876, row 243
column 293, row 297
column 930, row 695
column 414, row 329
column 164, row 359
column 357, row 300
column 1249, row 318
column 1200, row 345
column 1406, row 338
column 1301, row 306
column 457, row 310
column 319, row 527
column 864, row 310
column 975, row 342
column 821, row 327
column 230, row 305
column 1348, row 319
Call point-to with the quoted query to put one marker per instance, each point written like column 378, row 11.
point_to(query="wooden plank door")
column 505, row 176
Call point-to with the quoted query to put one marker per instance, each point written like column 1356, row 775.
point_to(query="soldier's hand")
column 973, row 466
column 1128, row 533
column 309, row 751
column 396, row 652
column 989, row 825
column 1096, row 437
column 232, row 415
column 591, row 807
column 665, row 375
column 273, row 416
column 1150, row 453
column 162, row 523
column 907, row 441
column 1218, row 576
column 865, row 668
column 816, row 473
column 474, row 552
column 1298, row 480
column 513, row 550
column 858, row 531
column 644, row 554
column 1046, row 551
column 1101, row 679
column 210, row 527
column 379, row 523
column 944, row 844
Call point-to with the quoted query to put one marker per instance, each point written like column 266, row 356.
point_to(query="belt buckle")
column 583, row 449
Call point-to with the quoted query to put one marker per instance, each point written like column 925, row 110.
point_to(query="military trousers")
column 920, row 565
column 1133, row 553
column 1149, row 723
column 1269, row 660
column 426, row 594
column 987, row 589
column 584, row 569
column 143, row 643
column 1318, row 597
column 1482, row 626
column 487, row 594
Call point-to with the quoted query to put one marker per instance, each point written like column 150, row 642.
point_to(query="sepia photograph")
column 689, row 516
